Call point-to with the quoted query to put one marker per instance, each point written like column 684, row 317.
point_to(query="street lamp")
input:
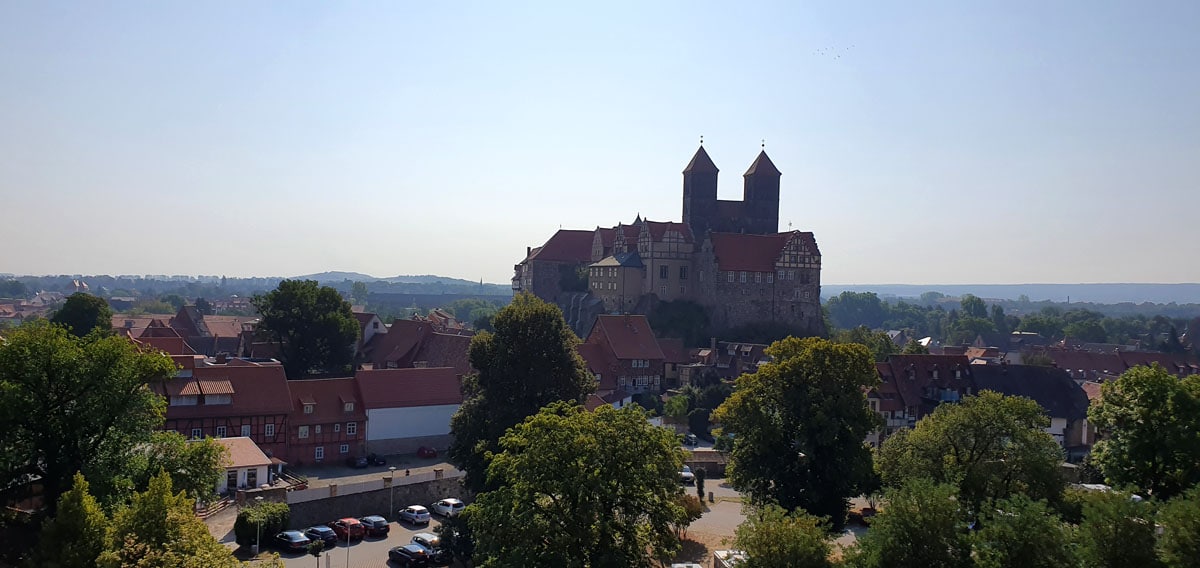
column 257, row 539
column 392, row 492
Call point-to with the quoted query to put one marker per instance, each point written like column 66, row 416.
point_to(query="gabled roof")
column 1052, row 388
column 243, row 453
column 763, row 165
column 607, row 235
column 445, row 350
column 1179, row 365
column 895, row 374
column 328, row 397
column 257, row 390
column 169, row 345
column 621, row 259
column 399, row 342
column 601, row 363
column 1089, row 364
column 565, row 246
column 674, row 351
column 629, row 336
column 402, row 388
column 658, row 229
column 701, row 163
column 751, row 253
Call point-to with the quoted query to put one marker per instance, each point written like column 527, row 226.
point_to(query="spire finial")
column 701, row 139
column 764, row 144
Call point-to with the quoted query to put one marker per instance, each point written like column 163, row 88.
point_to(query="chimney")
column 527, row 251
column 222, row 358
column 712, row 343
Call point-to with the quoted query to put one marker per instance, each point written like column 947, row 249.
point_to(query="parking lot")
column 371, row 552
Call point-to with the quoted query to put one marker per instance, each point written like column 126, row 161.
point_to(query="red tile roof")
column 243, row 452
column 566, row 246
column 674, row 351
column 227, row 326
column 1092, row 390
column 751, row 253
column 1179, row 365
column 328, row 397
column 400, row 388
column 257, row 390
column 895, row 373
column 606, row 236
column 600, row 362
column 445, row 350
column 169, row 345
column 399, row 342
column 658, row 229
column 1093, row 365
column 629, row 336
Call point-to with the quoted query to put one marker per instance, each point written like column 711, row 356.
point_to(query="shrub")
column 272, row 516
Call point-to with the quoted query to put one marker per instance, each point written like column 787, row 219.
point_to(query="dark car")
column 375, row 525
column 325, row 534
column 348, row 529
column 376, row 459
column 292, row 541
column 426, row 452
column 358, row 462
column 433, row 547
column 409, row 555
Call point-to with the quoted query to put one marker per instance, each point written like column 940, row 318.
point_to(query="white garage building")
column 409, row 408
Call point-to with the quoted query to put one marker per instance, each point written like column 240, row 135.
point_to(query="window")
column 231, row 479
column 664, row 272
column 758, row 278
column 782, row 273
column 245, row 430
column 742, row 277
column 729, row 276
column 304, row 431
column 770, row 278
column 791, row 275
column 197, row 433
column 308, row 409
column 344, row 449
column 682, row 289
column 220, row 431
column 270, row 431
column 218, row 399
column 348, row 407
column 317, row 429
column 683, row 273
column 184, row 400
column 252, row 477
column 662, row 289
column 319, row 453
column 351, row 428
column 337, row 427
column 374, row 325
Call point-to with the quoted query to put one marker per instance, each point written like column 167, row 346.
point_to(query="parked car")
column 448, row 507
column 292, row 541
column 348, row 528
column 426, row 452
column 686, row 476
column 409, row 555
column 357, row 462
column 433, row 547
column 690, row 440
column 375, row 525
column 322, row 533
column 376, row 459
column 415, row 514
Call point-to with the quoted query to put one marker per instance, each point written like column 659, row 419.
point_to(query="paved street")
column 369, row 553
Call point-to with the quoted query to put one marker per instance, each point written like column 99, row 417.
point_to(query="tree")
column 1089, row 330
column 966, row 329
column 175, row 300
column 528, row 362
column 701, row 474
column 314, row 326
column 580, row 488
column 773, row 538
column 1116, row 532
column 77, row 535
column 915, row 348
column 160, row 530
column 878, row 342
column 799, row 424
column 83, row 313
column 71, row 404
column 1000, row 320
column 921, row 526
column 204, row 307
column 973, row 306
column 359, row 292
column 1148, row 420
column 195, row 466
column 684, row 319
column 265, row 518
column 1019, row 531
column 1179, row 545
column 13, row 289
column 991, row 446
column 852, row 309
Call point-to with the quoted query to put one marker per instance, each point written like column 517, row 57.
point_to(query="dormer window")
column 912, row 372
column 348, row 407
column 308, row 408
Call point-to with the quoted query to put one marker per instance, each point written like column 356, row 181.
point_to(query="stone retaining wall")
column 321, row 511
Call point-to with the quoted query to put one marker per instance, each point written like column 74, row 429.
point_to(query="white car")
column 415, row 514
column 686, row 475
column 448, row 507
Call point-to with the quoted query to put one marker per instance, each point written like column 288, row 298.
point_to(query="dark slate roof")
column 623, row 259
column 763, row 165
column 701, row 163
column 1052, row 388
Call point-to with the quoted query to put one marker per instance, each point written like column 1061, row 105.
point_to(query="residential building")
column 409, row 408
column 246, row 466
column 1064, row 401
column 627, row 351
column 328, row 422
column 912, row 386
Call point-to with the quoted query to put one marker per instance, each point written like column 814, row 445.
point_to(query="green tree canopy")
column 82, row 313
column 528, row 362
column 204, row 307
column 877, row 342
column 1019, row 531
column 799, row 422
column 914, row 347
column 359, row 292
column 1179, row 545
column 922, row 525
column 77, row 535
column 1116, row 532
column 852, row 309
column 313, row 324
column 1149, row 420
column 991, row 446
column 579, row 488
column 973, row 306
column 71, row 404
column 773, row 538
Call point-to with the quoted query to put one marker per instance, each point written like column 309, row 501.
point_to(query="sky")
column 922, row 142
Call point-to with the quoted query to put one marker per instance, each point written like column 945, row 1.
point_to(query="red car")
column 426, row 452
column 348, row 529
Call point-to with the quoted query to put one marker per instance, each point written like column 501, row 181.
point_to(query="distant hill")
column 324, row 277
column 1095, row 293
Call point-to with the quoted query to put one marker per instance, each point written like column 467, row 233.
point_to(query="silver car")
column 415, row 515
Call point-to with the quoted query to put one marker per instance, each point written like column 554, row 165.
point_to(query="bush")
column 272, row 516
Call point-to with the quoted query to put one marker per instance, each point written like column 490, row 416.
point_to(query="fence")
column 334, row 490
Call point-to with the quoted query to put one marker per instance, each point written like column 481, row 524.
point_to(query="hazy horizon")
column 997, row 142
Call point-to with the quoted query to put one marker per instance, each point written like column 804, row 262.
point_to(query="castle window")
column 791, row 275
column 682, row 289
column 770, row 278
column 742, row 277
column 758, row 278
column 662, row 289
column 683, row 273
column 664, row 272
column 729, row 276
column 782, row 273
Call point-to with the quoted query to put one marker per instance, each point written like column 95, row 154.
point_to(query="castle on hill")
column 727, row 256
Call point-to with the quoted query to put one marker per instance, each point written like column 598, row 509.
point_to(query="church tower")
column 761, row 195
column 700, row 193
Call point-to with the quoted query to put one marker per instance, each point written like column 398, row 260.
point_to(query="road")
column 369, row 553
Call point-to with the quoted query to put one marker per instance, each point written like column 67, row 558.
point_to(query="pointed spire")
column 763, row 165
column 701, row 163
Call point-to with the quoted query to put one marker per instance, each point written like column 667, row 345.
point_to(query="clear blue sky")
column 923, row 142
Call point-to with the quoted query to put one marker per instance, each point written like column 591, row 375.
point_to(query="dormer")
column 912, row 371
